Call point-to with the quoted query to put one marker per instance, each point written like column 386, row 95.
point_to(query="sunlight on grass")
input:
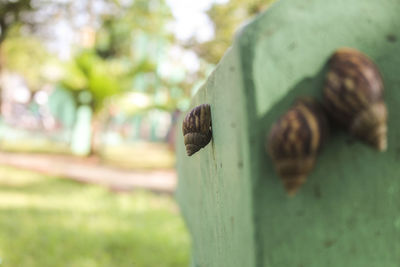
column 19, row 177
column 31, row 145
column 47, row 221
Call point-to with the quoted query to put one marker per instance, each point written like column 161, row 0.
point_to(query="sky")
column 191, row 20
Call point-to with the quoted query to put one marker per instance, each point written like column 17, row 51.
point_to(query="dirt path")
column 90, row 171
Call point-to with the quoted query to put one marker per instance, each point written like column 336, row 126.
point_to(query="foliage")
column 127, row 46
column 10, row 14
column 96, row 76
column 226, row 19
column 139, row 20
column 91, row 227
column 27, row 56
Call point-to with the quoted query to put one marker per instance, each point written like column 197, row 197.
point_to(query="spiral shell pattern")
column 196, row 128
column 294, row 141
column 353, row 96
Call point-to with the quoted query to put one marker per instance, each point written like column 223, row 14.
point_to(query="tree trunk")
column 98, row 121
column 95, row 135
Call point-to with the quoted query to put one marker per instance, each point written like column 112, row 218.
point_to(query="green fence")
column 348, row 211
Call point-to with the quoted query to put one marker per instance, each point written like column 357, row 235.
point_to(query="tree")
column 12, row 13
column 226, row 19
column 126, row 47
column 17, row 16
column 126, row 42
column 27, row 56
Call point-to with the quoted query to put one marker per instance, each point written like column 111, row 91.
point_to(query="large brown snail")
column 196, row 128
column 294, row 141
column 353, row 96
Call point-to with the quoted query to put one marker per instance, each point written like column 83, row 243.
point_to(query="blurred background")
column 91, row 91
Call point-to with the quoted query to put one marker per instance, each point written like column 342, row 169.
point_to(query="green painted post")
column 82, row 133
column 348, row 212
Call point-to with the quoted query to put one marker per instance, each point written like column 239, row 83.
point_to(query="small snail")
column 196, row 128
column 294, row 141
column 353, row 96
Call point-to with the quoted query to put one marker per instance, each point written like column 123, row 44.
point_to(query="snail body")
column 295, row 140
column 196, row 128
column 353, row 96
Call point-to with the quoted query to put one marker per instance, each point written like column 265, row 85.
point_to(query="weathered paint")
column 348, row 212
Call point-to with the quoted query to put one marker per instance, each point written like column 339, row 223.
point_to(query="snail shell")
column 353, row 96
column 294, row 142
column 196, row 128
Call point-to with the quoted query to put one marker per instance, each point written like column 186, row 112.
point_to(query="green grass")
column 47, row 221
column 31, row 145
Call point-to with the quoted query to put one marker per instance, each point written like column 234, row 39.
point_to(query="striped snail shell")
column 196, row 128
column 294, row 141
column 353, row 96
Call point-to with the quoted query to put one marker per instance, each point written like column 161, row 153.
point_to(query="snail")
column 295, row 140
column 196, row 128
column 353, row 96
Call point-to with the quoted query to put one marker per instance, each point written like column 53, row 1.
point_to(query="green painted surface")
column 214, row 191
column 348, row 212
